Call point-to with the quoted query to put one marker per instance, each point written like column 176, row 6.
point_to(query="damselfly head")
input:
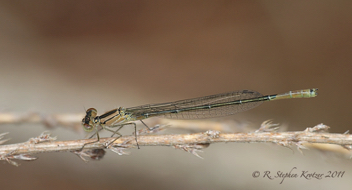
column 88, row 120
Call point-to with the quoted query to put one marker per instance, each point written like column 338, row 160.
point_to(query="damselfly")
column 196, row 108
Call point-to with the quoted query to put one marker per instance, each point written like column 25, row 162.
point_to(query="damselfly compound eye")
column 91, row 110
column 87, row 127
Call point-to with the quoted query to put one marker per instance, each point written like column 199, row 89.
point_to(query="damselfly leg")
column 98, row 138
column 119, row 134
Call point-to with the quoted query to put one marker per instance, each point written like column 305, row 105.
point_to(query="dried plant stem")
column 283, row 138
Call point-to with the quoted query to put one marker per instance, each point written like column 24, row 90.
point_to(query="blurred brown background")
column 64, row 56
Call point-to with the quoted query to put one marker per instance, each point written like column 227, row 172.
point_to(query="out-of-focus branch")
column 71, row 121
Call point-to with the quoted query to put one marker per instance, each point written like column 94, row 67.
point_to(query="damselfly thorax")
column 111, row 118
